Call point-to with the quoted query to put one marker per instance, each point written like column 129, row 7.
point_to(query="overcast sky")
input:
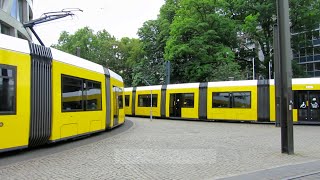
column 121, row 18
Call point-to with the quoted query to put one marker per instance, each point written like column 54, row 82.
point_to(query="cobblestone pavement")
column 168, row 149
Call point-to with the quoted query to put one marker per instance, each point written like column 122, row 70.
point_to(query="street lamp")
column 253, row 72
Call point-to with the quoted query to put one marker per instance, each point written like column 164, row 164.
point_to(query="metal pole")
column 253, row 75
column 78, row 51
column 285, row 78
column 36, row 35
column 151, row 107
column 277, row 69
column 269, row 70
column 168, row 70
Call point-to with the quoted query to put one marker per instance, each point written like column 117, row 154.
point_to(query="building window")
column 317, row 50
column 302, row 52
column 310, row 51
column 93, row 95
column 14, row 9
column 127, row 100
column 317, row 66
column 145, row 100
column 310, row 67
column 7, row 89
column 80, row 94
column 188, row 100
column 309, row 36
column 5, row 29
column 231, row 99
column 316, row 34
column 20, row 11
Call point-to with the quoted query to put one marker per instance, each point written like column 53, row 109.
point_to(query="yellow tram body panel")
column 14, row 126
column 68, row 124
column 272, row 101
column 143, row 108
column 128, row 101
column 188, row 88
column 224, row 113
column 117, row 99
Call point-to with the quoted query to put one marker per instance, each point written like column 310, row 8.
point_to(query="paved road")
column 168, row 149
column 27, row 154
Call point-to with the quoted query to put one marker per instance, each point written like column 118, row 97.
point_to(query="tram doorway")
column 175, row 104
column 308, row 105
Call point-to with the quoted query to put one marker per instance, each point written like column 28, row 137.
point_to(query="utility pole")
column 168, row 70
column 269, row 70
column 285, row 76
column 78, row 51
column 277, row 69
column 253, row 73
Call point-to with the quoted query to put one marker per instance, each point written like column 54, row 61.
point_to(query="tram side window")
column 241, row 100
column 93, row 99
column 7, row 89
column 145, row 100
column 220, row 100
column 188, row 100
column 127, row 100
column 72, row 98
column 231, row 100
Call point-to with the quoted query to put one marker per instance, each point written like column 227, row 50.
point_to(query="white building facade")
column 12, row 14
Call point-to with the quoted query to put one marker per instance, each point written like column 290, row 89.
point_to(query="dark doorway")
column 308, row 105
column 175, row 104
column 117, row 104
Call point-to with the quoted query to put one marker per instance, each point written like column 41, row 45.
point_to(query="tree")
column 257, row 19
column 104, row 49
column 99, row 48
column 154, row 35
column 201, row 39
column 130, row 55
column 152, row 65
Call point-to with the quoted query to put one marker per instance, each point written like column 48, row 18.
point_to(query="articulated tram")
column 249, row 100
column 47, row 95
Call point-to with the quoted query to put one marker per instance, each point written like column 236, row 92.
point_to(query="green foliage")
column 102, row 48
column 201, row 39
column 98, row 48
column 257, row 18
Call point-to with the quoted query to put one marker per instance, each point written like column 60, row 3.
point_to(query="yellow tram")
column 47, row 95
column 247, row 100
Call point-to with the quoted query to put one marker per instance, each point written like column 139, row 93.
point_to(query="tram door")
column 175, row 105
column 308, row 102
column 116, row 94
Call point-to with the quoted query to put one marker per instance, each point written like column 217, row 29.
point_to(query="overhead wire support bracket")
column 49, row 16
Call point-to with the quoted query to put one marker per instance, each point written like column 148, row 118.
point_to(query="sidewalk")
column 310, row 170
